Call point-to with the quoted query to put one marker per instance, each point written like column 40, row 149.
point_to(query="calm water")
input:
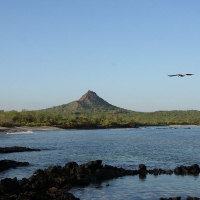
column 158, row 147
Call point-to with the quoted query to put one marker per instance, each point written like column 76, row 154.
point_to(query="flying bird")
column 180, row 75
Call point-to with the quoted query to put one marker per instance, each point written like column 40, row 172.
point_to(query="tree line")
column 116, row 118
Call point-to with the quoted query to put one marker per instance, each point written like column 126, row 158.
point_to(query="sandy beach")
column 28, row 128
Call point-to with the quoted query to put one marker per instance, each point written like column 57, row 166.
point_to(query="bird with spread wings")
column 180, row 75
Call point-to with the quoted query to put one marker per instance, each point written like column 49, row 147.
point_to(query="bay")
column 160, row 147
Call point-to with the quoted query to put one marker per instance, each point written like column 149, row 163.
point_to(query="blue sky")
column 53, row 52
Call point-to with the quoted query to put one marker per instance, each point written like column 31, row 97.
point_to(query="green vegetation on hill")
column 91, row 111
column 88, row 103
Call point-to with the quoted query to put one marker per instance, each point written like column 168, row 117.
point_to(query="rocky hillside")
column 89, row 102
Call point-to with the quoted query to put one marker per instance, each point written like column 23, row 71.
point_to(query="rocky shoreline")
column 54, row 181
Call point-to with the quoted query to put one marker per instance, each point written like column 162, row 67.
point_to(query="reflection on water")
column 132, row 187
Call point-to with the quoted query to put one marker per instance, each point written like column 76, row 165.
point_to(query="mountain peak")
column 89, row 102
column 89, row 95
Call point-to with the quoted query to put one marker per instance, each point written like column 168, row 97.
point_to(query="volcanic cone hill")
column 88, row 103
column 93, row 109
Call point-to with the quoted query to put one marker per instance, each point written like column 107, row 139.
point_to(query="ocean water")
column 160, row 147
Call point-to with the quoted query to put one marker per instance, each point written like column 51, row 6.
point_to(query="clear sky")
column 53, row 52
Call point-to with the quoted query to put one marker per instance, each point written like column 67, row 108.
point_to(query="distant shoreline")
column 52, row 128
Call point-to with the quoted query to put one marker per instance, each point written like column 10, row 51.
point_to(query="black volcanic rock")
column 16, row 149
column 193, row 169
column 7, row 164
column 171, row 198
column 54, row 181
